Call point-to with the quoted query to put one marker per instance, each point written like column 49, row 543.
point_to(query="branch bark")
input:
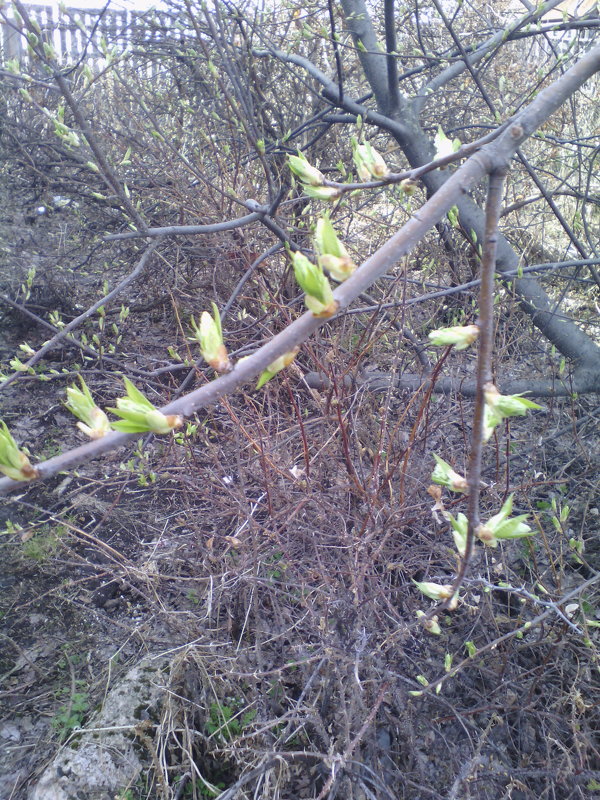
column 493, row 156
column 570, row 340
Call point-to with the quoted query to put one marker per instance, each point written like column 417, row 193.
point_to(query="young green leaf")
column 93, row 421
column 139, row 415
column 14, row 463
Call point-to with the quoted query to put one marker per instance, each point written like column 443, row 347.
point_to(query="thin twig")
column 340, row 761
column 62, row 334
column 484, row 360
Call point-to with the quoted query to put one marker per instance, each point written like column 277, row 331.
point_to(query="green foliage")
column 71, row 715
column 44, row 544
column 226, row 720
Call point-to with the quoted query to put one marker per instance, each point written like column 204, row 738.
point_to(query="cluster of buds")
column 209, row 335
column 499, row 407
column 138, row 415
column 92, row 420
column 369, row 163
column 333, row 256
column 14, row 463
column 312, row 179
column 318, row 295
column 502, row 526
column 459, row 336
column 276, row 366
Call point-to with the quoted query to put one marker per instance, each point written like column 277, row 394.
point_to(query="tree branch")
column 491, row 157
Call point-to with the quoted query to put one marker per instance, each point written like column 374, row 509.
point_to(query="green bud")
column 319, row 297
column 453, row 216
column 209, row 335
column 333, row 256
column 139, row 415
column 460, row 527
column 49, row 50
column 430, row 624
column 369, row 163
column 435, row 591
column 459, row 336
column 498, row 407
column 444, row 475
column 14, row 463
column 276, row 366
column 445, row 146
column 93, row 421
column 18, row 366
column 501, row 526
column 322, row 192
column 305, row 171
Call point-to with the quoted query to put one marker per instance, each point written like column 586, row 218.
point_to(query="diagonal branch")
column 468, row 61
column 492, row 157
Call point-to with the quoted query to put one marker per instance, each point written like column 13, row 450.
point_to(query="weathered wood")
column 73, row 33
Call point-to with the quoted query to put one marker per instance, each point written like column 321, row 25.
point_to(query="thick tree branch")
column 491, row 157
column 409, row 382
column 467, row 61
column 372, row 59
column 331, row 92
column 392, row 65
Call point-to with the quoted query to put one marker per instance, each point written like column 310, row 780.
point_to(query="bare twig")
column 484, row 360
column 62, row 334
column 339, row 762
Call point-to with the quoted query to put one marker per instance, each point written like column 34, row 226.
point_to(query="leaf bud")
column 329, row 193
column 93, row 421
column 209, row 335
column 369, row 163
column 333, row 256
column 319, row 297
column 14, row 463
column 301, row 167
column 444, row 475
column 276, row 366
column 139, row 415
column 461, row 336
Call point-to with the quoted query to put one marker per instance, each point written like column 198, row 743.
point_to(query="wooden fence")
column 78, row 34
